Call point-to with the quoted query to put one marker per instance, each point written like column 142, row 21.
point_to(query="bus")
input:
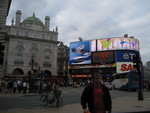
column 126, row 81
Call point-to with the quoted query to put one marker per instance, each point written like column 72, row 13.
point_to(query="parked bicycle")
column 53, row 98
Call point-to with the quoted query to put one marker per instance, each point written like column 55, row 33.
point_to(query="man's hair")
column 96, row 75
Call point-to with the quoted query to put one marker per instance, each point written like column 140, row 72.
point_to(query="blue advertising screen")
column 80, row 52
column 125, row 56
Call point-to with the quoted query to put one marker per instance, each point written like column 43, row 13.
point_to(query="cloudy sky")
column 91, row 19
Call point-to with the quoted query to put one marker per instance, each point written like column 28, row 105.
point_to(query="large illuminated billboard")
column 80, row 52
column 117, row 43
column 92, row 51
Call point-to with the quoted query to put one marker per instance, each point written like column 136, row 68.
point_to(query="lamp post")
column 32, row 62
column 140, row 93
column 31, row 73
column 138, row 65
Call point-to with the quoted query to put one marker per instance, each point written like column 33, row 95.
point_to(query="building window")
column 47, row 54
column 34, row 45
column 17, row 32
column 33, row 57
column 27, row 34
column 34, row 53
column 20, row 44
column 43, row 36
column 19, row 56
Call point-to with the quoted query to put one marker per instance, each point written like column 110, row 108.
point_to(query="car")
column 76, row 85
column 108, row 85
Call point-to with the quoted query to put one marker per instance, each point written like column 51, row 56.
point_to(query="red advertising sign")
column 105, row 57
column 124, row 67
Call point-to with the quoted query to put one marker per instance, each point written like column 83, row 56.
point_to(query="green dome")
column 31, row 20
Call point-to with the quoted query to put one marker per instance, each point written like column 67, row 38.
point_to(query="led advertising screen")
column 118, row 43
column 103, row 57
column 80, row 52
column 125, row 56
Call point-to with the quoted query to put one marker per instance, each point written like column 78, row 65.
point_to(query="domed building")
column 30, row 45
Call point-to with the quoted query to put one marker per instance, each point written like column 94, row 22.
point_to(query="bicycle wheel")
column 44, row 100
column 59, row 102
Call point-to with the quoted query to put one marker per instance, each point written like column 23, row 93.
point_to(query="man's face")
column 97, row 79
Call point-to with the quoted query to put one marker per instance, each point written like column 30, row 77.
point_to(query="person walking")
column 24, row 85
column 96, row 95
column 14, row 86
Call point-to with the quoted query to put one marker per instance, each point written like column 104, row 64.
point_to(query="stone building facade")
column 63, row 59
column 30, row 44
column 4, row 10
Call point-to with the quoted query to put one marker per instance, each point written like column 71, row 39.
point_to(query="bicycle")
column 51, row 98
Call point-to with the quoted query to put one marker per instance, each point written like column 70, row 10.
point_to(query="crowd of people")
column 14, row 86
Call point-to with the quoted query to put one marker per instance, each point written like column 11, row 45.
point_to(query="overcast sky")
column 91, row 19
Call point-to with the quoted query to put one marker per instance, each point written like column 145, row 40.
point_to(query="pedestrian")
column 96, row 95
column 24, row 85
column 14, row 86
column 10, row 86
column 19, row 86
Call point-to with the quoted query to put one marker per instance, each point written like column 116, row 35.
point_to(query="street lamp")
column 138, row 62
column 31, row 73
column 140, row 94
column 32, row 61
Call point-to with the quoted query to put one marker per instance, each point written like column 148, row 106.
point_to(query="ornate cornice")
column 33, row 39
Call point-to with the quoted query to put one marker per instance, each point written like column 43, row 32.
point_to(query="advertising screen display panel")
column 103, row 57
column 80, row 52
column 117, row 43
column 122, row 67
column 125, row 56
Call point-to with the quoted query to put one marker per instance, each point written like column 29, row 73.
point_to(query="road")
column 69, row 95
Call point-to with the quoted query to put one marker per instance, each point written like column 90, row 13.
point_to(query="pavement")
column 119, row 105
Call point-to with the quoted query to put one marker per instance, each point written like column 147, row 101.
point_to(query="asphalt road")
column 69, row 95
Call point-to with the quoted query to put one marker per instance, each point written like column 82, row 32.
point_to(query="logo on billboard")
column 125, row 56
column 124, row 67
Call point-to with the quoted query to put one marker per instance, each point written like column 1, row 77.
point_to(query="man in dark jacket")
column 97, row 97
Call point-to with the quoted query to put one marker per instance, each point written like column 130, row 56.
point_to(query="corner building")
column 30, row 44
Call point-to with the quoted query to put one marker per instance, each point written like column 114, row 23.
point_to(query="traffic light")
column 1, row 53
